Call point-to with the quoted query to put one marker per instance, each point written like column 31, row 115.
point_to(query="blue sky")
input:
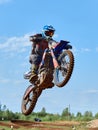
column 76, row 21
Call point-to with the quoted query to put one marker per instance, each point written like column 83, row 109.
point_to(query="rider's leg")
column 50, row 85
column 34, row 69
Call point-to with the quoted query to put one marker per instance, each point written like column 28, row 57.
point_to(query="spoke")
column 61, row 74
column 27, row 100
column 30, row 99
column 67, row 65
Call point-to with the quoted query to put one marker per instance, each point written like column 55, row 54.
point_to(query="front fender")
column 68, row 47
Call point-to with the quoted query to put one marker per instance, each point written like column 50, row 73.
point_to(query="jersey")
column 39, row 44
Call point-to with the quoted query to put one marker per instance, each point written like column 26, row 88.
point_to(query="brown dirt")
column 93, row 124
column 93, row 128
column 60, row 125
column 42, row 125
column 8, row 124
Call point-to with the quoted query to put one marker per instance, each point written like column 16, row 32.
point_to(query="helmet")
column 48, row 31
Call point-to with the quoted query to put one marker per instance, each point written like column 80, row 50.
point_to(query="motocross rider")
column 39, row 43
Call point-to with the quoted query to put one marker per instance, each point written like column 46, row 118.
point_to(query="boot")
column 33, row 76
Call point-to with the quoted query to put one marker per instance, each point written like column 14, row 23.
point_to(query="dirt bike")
column 55, row 69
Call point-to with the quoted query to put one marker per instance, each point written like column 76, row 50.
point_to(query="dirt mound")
column 44, row 125
column 93, row 124
column 27, row 123
column 59, row 125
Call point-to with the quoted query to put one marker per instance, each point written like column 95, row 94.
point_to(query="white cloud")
column 10, row 81
column 4, row 1
column 17, row 44
column 4, row 80
column 85, row 49
column 92, row 91
column 97, row 49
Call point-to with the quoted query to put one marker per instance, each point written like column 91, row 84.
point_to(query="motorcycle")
column 55, row 68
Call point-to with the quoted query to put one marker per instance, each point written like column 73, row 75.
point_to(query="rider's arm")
column 36, row 38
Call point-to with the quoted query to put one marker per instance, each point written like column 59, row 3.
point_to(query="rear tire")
column 67, row 71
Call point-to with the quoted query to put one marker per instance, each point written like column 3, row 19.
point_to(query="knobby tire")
column 69, row 71
column 36, row 93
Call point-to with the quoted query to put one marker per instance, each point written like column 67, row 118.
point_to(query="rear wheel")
column 29, row 100
column 63, row 74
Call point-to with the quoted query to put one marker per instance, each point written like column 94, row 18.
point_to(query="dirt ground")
column 41, row 125
column 92, row 125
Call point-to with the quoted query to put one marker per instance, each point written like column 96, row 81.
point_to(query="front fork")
column 55, row 63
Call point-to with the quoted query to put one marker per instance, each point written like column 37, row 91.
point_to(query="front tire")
column 63, row 74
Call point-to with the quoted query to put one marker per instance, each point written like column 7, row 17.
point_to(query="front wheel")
column 63, row 74
column 29, row 100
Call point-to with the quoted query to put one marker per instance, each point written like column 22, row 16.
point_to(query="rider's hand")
column 52, row 44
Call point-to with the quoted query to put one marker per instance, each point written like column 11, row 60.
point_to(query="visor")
column 49, row 33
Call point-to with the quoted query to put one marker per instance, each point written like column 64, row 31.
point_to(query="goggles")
column 49, row 33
